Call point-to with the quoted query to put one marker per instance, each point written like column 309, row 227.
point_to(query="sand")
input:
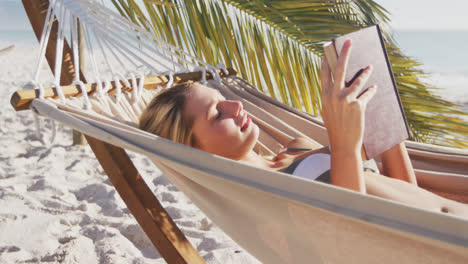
column 57, row 204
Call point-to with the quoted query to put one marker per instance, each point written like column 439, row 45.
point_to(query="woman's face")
column 220, row 126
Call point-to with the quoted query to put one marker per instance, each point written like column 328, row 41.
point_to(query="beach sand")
column 57, row 204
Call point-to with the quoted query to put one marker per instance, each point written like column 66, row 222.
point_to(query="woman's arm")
column 397, row 164
column 343, row 114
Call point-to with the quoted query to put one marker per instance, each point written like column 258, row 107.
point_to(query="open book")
column 385, row 122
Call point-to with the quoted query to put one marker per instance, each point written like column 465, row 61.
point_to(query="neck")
column 254, row 159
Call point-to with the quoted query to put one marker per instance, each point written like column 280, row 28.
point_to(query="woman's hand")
column 342, row 109
column 343, row 113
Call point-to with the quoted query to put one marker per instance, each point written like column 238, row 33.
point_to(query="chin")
column 253, row 135
column 248, row 143
column 255, row 131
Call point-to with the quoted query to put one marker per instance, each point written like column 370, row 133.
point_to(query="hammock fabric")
column 281, row 218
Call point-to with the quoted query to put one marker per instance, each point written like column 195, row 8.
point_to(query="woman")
column 201, row 117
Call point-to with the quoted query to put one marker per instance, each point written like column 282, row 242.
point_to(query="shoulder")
column 309, row 146
column 302, row 142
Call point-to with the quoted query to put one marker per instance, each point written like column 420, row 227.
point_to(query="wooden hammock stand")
column 170, row 242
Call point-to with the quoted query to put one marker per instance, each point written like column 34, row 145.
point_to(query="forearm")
column 343, row 110
column 346, row 170
column 397, row 164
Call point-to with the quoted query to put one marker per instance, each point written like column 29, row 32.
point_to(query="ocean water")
column 442, row 54
column 445, row 56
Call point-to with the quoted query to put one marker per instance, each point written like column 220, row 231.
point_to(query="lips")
column 245, row 123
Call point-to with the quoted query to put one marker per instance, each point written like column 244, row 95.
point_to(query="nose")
column 233, row 107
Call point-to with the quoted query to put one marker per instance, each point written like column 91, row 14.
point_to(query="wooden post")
column 37, row 11
column 7, row 49
column 140, row 200
column 79, row 138
column 155, row 221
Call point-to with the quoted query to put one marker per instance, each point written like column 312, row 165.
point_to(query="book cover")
column 385, row 122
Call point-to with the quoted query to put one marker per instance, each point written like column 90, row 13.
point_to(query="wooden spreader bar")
column 21, row 99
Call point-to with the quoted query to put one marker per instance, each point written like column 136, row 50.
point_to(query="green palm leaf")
column 277, row 45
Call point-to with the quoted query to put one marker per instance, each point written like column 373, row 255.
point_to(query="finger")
column 342, row 64
column 325, row 76
column 356, row 86
column 365, row 97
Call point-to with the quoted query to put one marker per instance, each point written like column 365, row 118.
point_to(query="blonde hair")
column 164, row 115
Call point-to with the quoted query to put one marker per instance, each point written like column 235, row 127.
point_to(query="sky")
column 13, row 16
column 427, row 15
column 406, row 15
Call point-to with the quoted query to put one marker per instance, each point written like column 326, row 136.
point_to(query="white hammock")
column 277, row 217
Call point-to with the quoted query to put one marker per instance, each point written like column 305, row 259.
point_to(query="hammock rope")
column 77, row 81
column 111, row 40
column 93, row 57
column 203, row 70
column 115, row 30
column 43, row 44
column 59, row 53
